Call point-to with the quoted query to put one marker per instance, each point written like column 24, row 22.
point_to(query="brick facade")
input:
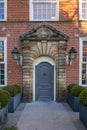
column 18, row 23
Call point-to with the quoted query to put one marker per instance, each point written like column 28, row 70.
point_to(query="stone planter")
column 83, row 114
column 3, row 116
column 14, row 102
column 73, row 102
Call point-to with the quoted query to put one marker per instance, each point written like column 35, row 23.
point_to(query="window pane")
column 44, row 10
column 1, row 50
column 1, row 16
column 2, row 74
column 84, row 9
column 1, row 10
column 2, row 62
column 1, row 6
column 84, row 76
column 84, row 63
column 84, row 57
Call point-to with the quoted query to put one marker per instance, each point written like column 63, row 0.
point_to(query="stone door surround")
column 44, row 41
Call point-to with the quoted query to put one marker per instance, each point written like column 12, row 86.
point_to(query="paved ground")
column 45, row 116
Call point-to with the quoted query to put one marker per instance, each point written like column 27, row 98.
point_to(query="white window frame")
column 31, row 13
column 5, row 58
column 81, row 39
column 80, row 11
column 5, row 11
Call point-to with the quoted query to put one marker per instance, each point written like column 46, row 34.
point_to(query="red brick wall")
column 68, row 9
column 18, row 23
column 18, row 10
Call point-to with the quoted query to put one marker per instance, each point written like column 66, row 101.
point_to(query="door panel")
column 44, row 81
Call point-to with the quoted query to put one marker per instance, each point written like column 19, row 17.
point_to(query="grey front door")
column 44, row 81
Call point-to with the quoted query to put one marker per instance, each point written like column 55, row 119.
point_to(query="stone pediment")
column 44, row 31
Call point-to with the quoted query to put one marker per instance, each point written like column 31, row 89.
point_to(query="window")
column 83, row 10
column 44, row 10
column 3, row 10
column 3, row 62
column 83, row 61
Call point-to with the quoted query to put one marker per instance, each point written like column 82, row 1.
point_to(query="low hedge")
column 4, row 98
column 12, row 89
column 76, row 90
column 83, row 97
column 70, row 87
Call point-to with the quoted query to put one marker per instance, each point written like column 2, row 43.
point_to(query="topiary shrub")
column 4, row 98
column 83, row 97
column 76, row 90
column 11, row 89
column 17, row 87
column 70, row 87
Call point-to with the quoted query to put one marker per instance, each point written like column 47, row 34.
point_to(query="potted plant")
column 4, row 100
column 14, row 91
column 83, row 107
column 73, row 100
column 69, row 96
